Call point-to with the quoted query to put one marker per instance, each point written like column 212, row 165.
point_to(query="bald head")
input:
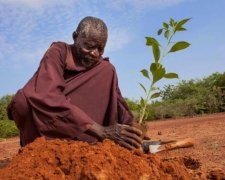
column 90, row 24
column 90, row 39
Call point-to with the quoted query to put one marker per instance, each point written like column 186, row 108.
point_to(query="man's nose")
column 94, row 53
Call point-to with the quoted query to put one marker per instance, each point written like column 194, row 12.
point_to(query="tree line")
column 187, row 98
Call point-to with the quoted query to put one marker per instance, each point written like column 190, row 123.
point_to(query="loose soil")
column 208, row 154
column 57, row 159
column 78, row 160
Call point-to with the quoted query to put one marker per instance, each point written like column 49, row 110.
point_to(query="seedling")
column 157, row 71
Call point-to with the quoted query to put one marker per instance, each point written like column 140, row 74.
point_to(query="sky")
column 28, row 27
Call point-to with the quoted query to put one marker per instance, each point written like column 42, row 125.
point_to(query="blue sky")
column 27, row 28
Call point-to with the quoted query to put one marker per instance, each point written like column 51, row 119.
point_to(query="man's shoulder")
column 58, row 48
column 106, row 62
column 59, row 44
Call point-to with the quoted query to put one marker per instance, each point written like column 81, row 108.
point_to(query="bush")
column 133, row 106
column 8, row 129
column 4, row 101
column 189, row 98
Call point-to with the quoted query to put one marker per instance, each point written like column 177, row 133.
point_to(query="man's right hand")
column 125, row 135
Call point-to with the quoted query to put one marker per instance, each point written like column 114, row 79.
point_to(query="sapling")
column 157, row 71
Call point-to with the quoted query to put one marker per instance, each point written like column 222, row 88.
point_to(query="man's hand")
column 125, row 135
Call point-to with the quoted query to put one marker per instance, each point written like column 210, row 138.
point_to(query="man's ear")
column 75, row 35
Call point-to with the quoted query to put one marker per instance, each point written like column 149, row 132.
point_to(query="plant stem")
column 145, row 105
column 165, row 48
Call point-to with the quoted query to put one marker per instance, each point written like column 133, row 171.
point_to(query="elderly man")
column 74, row 94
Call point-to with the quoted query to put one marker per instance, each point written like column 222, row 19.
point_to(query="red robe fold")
column 63, row 99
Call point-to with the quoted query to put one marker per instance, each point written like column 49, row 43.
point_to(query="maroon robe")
column 63, row 99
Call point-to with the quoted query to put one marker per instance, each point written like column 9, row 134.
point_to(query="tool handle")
column 188, row 142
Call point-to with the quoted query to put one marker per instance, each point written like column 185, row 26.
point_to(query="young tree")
column 156, row 70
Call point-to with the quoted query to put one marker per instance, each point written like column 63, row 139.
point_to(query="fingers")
column 132, row 142
column 125, row 135
column 132, row 136
column 126, row 145
column 132, row 129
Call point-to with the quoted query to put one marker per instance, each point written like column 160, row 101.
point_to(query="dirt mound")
column 57, row 159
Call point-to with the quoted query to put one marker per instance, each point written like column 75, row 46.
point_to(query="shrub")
column 4, row 101
column 8, row 129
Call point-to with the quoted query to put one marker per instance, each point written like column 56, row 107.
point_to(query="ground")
column 208, row 133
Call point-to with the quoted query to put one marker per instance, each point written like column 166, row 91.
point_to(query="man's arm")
column 53, row 113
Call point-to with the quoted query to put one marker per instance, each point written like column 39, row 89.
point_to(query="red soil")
column 78, row 160
column 208, row 133
column 57, row 159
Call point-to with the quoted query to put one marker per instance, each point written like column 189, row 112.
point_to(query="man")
column 74, row 94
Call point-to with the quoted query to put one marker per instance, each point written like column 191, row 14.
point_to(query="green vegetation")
column 7, row 127
column 188, row 98
column 156, row 70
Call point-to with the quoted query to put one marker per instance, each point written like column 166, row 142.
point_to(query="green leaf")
column 167, row 34
column 158, row 75
column 160, row 31
column 150, row 41
column 171, row 22
column 143, row 88
column 155, row 95
column 158, row 72
column 165, row 25
column 145, row 73
column 179, row 46
column 156, row 52
column 171, row 75
column 153, row 67
column 181, row 23
column 182, row 29
column 155, row 47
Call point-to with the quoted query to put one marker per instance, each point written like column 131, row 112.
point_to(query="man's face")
column 90, row 47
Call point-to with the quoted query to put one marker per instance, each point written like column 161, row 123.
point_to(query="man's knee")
column 21, row 113
column 18, row 110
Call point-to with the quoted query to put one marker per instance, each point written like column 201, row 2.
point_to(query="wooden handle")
column 189, row 142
